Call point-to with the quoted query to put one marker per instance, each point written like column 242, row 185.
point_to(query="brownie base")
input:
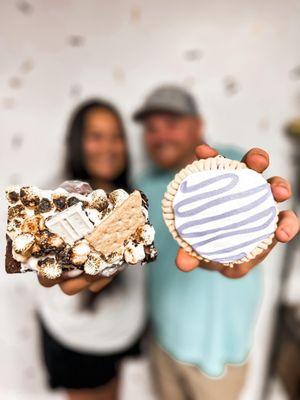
column 12, row 266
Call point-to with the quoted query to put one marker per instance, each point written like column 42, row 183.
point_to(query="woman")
column 85, row 337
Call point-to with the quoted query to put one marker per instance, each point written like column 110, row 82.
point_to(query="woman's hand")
column 73, row 285
column 288, row 223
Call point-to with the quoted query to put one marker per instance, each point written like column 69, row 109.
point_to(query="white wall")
column 240, row 58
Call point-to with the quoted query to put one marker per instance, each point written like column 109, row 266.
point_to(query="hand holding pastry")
column 239, row 225
column 76, row 237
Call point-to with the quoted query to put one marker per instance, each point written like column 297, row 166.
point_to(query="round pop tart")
column 219, row 210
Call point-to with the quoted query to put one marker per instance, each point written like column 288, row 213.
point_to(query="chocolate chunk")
column 44, row 206
column 60, row 202
column 150, row 253
column 11, row 265
column 46, row 260
column 145, row 202
column 13, row 196
column 72, row 201
column 64, row 256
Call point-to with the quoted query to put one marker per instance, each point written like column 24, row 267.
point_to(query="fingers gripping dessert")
column 74, row 227
column 219, row 210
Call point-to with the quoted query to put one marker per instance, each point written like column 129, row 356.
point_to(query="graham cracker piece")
column 118, row 226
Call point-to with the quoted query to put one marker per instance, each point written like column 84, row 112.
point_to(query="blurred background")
column 239, row 58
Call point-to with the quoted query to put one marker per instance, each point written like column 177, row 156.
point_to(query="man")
column 202, row 321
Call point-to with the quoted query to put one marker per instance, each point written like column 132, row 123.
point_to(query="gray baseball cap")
column 168, row 98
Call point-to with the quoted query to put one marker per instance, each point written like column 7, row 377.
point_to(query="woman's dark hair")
column 75, row 168
column 75, row 165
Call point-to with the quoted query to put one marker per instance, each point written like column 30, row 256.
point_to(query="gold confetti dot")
column 193, row 55
column 231, row 86
column 135, row 14
column 15, row 82
column 8, row 102
column 27, row 66
column 75, row 91
column 17, row 141
column 257, row 30
column 119, row 74
column 24, row 7
column 76, row 40
column 264, row 124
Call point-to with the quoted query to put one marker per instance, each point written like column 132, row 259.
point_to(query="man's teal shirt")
column 201, row 317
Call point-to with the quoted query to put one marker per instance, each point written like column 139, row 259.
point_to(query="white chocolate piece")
column 71, row 224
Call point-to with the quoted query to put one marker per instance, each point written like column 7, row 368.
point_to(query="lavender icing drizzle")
column 232, row 229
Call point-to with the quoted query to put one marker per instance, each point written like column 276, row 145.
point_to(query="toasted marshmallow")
column 80, row 252
column 12, row 194
column 49, row 268
column 14, row 227
column 30, row 265
column 19, row 257
column 30, row 196
column 95, row 264
column 109, row 271
column 118, row 196
column 146, row 234
column 94, row 215
column 98, row 199
column 16, row 211
column 116, row 257
column 33, row 224
column 23, row 243
column 134, row 253
column 49, row 241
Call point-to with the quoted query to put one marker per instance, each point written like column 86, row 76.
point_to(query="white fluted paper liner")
column 213, row 163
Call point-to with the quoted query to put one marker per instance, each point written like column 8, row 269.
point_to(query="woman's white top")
column 112, row 326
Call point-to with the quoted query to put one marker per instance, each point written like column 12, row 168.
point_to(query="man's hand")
column 73, row 285
column 288, row 223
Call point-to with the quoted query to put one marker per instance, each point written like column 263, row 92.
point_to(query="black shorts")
column 70, row 369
